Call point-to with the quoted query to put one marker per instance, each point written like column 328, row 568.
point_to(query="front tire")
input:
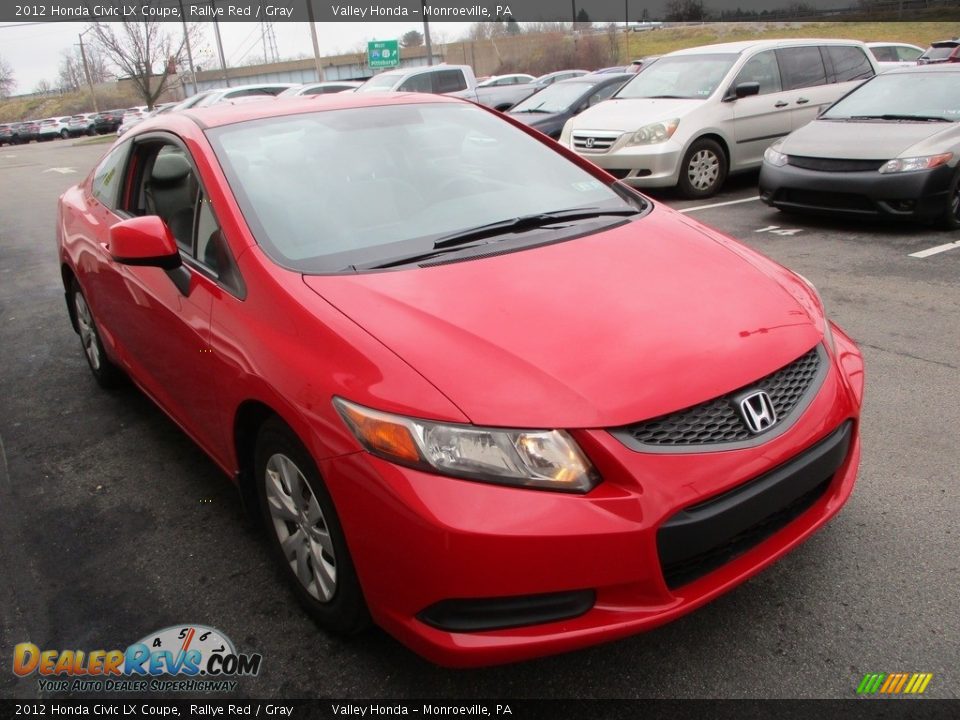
column 64, row 134
column 704, row 169
column 305, row 533
column 104, row 371
column 950, row 220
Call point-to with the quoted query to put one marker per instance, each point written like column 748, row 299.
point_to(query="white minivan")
column 697, row 115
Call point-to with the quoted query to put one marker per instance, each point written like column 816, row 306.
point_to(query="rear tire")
column 703, row 170
column 64, row 134
column 305, row 533
column 104, row 371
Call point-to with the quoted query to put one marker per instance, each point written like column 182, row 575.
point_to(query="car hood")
column 627, row 115
column 608, row 329
column 536, row 119
column 866, row 140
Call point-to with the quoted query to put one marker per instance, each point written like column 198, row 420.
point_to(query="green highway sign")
column 383, row 53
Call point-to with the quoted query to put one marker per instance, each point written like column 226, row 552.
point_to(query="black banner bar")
column 327, row 709
column 645, row 14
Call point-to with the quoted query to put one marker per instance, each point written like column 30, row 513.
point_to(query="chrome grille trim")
column 594, row 141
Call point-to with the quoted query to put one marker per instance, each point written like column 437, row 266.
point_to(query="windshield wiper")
column 532, row 110
column 465, row 239
column 890, row 116
column 526, row 222
column 667, row 97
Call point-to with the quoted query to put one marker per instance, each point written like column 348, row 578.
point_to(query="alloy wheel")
column 301, row 527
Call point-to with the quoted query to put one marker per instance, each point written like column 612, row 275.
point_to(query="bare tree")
column 146, row 52
column 7, row 81
column 44, row 87
column 71, row 76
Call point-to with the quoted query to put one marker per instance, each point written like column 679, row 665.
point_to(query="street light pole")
column 426, row 32
column 316, row 44
column 86, row 71
column 186, row 37
column 216, row 32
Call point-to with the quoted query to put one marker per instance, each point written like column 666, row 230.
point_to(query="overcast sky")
column 34, row 51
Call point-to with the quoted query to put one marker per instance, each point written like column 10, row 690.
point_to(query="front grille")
column 594, row 142
column 619, row 174
column 826, row 200
column 705, row 536
column 833, row 164
column 718, row 421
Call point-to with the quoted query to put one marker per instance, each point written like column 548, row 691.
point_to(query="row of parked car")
column 68, row 126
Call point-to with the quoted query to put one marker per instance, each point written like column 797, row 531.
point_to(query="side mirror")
column 747, row 89
column 144, row 241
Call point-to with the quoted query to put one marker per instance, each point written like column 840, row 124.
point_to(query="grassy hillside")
column 39, row 107
column 658, row 42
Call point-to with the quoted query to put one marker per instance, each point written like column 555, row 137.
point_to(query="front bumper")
column 419, row 540
column 920, row 195
column 641, row 166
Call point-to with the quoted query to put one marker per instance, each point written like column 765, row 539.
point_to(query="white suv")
column 696, row 115
column 55, row 127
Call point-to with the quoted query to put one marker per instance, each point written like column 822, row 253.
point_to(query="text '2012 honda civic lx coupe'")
column 481, row 393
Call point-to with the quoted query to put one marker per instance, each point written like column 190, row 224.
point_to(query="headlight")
column 926, row 162
column 827, row 329
column 654, row 133
column 545, row 459
column 774, row 157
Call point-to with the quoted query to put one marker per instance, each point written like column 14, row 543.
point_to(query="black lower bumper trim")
column 702, row 537
column 481, row 614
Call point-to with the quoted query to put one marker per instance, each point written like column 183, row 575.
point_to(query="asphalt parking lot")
column 113, row 524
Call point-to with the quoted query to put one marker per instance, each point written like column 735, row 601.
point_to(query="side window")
column 106, row 178
column 801, row 67
column 908, row 54
column 849, row 63
column 207, row 228
column 169, row 189
column 450, row 81
column 762, row 68
column 417, row 83
column 885, row 53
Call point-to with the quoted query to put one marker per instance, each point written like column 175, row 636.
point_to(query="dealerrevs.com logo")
column 181, row 658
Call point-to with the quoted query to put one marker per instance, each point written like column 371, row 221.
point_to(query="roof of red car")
column 225, row 113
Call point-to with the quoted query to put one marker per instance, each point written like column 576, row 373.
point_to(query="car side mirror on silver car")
column 746, row 89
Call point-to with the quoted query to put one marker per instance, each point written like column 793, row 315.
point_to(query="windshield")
column 384, row 81
column 553, row 98
column 680, row 76
column 939, row 53
column 324, row 191
column 902, row 95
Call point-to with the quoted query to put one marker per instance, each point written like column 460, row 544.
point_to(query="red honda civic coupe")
column 482, row 394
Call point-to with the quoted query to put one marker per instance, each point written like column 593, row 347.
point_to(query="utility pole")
column 216, row 32
column 86, row 71
column 186, row 37
column 426, row 32
column 316, row 44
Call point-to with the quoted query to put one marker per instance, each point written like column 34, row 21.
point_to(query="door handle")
column 780, row 104
column 802, row 101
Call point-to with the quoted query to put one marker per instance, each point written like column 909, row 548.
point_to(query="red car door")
column 160, row 319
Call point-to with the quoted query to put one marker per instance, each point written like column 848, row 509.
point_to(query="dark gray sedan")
column 549, row 109
column 889, row 148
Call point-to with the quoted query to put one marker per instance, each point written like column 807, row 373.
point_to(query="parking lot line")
column 721, row 204
column 934, row 250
